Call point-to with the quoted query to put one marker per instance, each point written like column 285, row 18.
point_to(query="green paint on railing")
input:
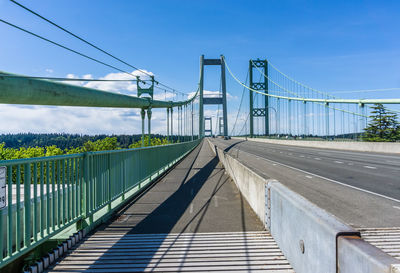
column 76, row 190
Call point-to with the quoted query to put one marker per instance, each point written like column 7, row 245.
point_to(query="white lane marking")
column 274, row 164
column 369, row 167
column 191, row 208
column 338, row 162
column 317, row 158
column 331, row 180
column 302, row 156
column 281, row 152
column 390, row 161
column 351, row 153
column 308, row 176
column 396, row 207
column 290, row 154
column 350, row 164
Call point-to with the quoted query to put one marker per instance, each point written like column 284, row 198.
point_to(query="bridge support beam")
column 201, row 104
column 224, row 106
column 327, row 120
column 179, row 123
column 143, row 115
column 149, row 124
column 261, row 65
column 168, row 125
column 209, row 100
column 172, row 124
column 305, row 119
column 289, row 117
column 192, row 120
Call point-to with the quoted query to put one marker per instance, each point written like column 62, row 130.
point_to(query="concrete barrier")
column 356, row 255
column 377, row 147
column 311, row 239
column 253, row 190
column 306, row 233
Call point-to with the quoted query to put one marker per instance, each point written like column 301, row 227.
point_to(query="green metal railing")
column 61, row 191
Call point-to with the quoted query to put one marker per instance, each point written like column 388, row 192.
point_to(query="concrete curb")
column 375, row 147
column 311, row 239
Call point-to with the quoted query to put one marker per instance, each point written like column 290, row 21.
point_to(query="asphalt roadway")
column 195, row 196
column 360, row 188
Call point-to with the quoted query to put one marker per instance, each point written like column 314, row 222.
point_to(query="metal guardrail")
column 74, row 189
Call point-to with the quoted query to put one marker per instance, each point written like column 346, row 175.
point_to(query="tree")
column 384, row 125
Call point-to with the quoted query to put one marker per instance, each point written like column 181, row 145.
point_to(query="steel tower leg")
column 167, row 125
column 149, row 124
column 143, row 115
column 201, row 105
column 251, row 100
column 266, row 105
column 224, row 106
column 172, row 124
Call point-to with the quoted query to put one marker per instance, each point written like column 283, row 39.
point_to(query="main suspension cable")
column 87, row 42
column 283, row 97
column 66, row 48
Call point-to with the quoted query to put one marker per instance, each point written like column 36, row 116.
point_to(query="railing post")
column 109, row 182
column 27, row 205
column 86, row 186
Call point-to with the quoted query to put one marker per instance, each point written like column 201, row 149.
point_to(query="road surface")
column 362, row 189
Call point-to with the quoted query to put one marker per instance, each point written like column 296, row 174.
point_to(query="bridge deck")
column 193, row 220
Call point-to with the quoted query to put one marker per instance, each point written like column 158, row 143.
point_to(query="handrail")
column 77, row 189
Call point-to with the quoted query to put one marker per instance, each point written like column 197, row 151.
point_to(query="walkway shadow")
column 233, row 145
column 162, row 220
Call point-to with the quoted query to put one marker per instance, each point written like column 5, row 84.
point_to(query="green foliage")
column 105, row 144
column 62, row 141
column 155, row 141
column 384, row 126
column 109, row 143
column 53, row 150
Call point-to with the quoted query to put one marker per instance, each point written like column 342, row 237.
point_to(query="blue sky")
column 329, row 45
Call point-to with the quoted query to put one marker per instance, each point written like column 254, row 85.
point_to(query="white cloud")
column 48, row 70
column 86, row 120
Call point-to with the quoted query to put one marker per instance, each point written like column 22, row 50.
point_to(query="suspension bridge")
column 289, row 188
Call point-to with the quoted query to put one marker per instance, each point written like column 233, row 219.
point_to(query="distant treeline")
column 40, row 145
column 63, row 141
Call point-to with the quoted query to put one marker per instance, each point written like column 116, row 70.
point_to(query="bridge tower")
column 212, row 100
column 220, row 125
column 209, row 128
column 262, row 86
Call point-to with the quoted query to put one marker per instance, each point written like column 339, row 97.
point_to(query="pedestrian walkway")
column 193, row 220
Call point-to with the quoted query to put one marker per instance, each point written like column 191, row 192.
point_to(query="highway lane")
column 363, row 189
